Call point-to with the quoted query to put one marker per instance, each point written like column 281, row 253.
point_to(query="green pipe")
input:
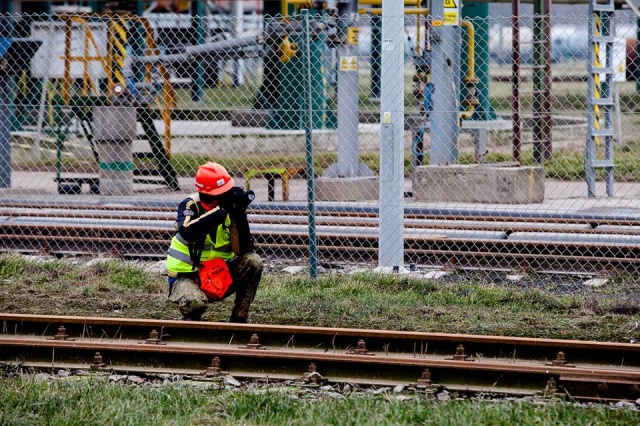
column 478, row 15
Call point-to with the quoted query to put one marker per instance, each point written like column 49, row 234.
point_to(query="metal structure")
column 277, row 130
column 600, row 96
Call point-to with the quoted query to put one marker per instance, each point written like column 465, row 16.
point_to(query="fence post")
column 391, row 200
column 307, row 113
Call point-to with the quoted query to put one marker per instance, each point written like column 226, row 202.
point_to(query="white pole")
column 391, row 239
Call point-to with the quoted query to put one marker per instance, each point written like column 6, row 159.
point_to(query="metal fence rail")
column 99, row 108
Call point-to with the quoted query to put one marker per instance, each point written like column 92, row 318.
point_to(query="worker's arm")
column 192, row 228
column 240, row 234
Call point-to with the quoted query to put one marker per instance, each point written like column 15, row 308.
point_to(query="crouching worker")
column 211, row 255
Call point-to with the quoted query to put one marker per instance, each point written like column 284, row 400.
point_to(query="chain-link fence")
column 521, row 159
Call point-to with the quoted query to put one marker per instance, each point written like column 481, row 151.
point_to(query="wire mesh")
column 106, row 117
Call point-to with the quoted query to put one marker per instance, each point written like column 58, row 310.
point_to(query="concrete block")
column 479, row 184
column 347, row 189
column 116, row 167
column 112, row 123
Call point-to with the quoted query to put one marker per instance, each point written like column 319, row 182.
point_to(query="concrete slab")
column 479, row 184
column 347, row 189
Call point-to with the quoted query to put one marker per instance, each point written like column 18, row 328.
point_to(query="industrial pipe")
column 471, row 48
column 470, row 80
column 190, row 52
column 407, row 11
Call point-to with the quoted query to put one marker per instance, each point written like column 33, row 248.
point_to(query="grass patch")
column 88, row 401
column 477, row 303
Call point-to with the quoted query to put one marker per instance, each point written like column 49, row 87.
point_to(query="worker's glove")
column 236, row 200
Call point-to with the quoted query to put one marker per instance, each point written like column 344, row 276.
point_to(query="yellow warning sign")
column 451, row 18
column 348, row 63
column 352, row 35
column 450, row 4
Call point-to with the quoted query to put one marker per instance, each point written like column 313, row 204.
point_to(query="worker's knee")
column 249, row 263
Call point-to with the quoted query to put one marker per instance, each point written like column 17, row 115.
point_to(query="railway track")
column 440, row 238
column 313, row 356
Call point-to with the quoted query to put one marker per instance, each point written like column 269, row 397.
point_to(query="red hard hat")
column 213, row 179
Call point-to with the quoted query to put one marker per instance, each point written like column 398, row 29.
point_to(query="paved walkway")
column 560, row 196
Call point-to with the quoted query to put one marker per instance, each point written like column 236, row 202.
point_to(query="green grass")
column 463, row 303
column 91, row 401
column 473, row 303
column 565, row 164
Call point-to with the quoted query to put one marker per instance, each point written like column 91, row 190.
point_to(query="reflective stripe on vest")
column 178, row 259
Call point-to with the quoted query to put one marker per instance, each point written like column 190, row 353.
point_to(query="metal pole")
column 5, row 131
column 307, row 114
column 198, row 78
column 445, row 74
column 541, row 82
column 391, row 239
column 376, row 42
column 515, row 78
column 237, row 15
column 6, row 102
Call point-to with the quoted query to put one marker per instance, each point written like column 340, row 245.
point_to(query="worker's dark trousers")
column 246, row 272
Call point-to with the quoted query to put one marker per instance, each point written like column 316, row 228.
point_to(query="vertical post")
column 636, row 61
column 376, row 42
column 5, row 131
column 6, row 101
column 307, row 113
column 515, row 80
column 445, row 73
column 348, row 108
column 198, row 25
column 541, row 81
column 391, row 238
column 237, row 15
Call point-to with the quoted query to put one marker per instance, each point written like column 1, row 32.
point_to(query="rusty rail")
column 417, row 360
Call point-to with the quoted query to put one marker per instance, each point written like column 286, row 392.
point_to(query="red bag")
column 215, row 278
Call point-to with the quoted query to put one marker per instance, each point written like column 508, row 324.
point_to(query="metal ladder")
column 600, row 99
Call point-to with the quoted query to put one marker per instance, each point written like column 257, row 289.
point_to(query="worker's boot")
column 246, row 272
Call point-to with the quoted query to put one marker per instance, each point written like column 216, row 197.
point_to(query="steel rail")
column 590, row 369
column 282, row 241
column 417, row 212
column 412, row 221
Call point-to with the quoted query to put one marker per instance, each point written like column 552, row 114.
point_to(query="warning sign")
column 348, row 63
column 451, row 13
column 451, row 18
column 352, row 35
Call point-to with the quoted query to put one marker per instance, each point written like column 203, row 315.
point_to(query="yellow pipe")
column 471, row 48
column 286, row 3
column 471, row 76
column 407, row 11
